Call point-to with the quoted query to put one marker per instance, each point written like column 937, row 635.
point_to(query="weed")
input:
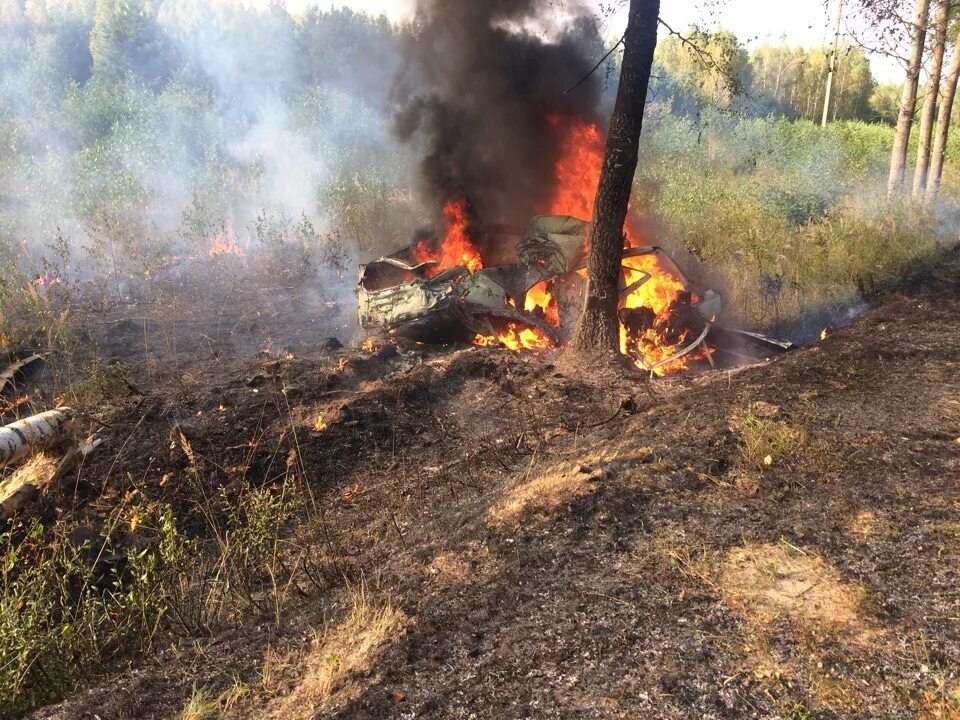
column 764, row 441
column 342, row 650
column 53, row 621
column 202, row 705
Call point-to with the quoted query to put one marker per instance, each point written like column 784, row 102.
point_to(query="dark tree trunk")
column 929, row 112
column 908, row 99
column 949, row 87
column 598, row 328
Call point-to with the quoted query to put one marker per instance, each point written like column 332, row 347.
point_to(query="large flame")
column 576, row 176
column 659, row 294
column 576, row 172
column 456, row 248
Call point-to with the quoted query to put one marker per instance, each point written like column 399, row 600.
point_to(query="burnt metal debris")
column 401, row 295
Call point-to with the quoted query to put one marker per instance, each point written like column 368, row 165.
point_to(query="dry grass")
column 338, row 654
column 941, row 704
column 544, row 494
column 770, row 581
column 202, row 705
column 864, row 525
column 764, row 441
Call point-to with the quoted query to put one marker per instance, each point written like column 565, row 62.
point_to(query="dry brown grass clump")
column 201, row 705
column 544, row 494
column 941, row 704
column 777, row 580
column 864, row 525
column 339, row 653
column 764, row 441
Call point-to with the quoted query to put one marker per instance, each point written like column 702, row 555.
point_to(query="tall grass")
column 786, row 214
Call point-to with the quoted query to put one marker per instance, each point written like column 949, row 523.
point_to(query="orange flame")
column 577, row 175
column 319, row 425
column 540, row 297
column 515, row 338
column 456, row 247
column 658, row 293
column 225, row 243
column 8, row 405
column 576, row 172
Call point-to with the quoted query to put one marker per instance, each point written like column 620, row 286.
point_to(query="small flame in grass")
column 225, row 243
column 8, row 405
column 45, row 281
column 823, row 335
column 319, row 425
column 369, row 345
column 515, row 338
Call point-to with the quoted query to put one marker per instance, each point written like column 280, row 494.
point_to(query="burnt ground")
column 778, row 541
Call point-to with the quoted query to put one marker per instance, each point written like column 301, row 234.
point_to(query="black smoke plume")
column 478, row 89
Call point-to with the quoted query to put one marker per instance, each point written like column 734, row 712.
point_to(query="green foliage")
column 52, row 619
column 710, row 65
column 786, row 214
column 794, row 80
column 66, row 608
column 885, row 102
column 127, row 42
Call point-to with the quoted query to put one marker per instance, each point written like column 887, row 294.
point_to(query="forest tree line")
column 776, row 78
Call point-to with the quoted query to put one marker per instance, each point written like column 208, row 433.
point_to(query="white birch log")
column 40, row 432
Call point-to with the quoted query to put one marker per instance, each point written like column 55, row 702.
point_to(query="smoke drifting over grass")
column 150, row 125
column 135, row 132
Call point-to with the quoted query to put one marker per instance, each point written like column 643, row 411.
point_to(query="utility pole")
column 833, row 63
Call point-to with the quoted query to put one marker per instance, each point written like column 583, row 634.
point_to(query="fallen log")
column 32, row 434
column 19, row 370
column 29, row 488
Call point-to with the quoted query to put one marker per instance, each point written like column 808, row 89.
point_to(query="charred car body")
column 534, row 281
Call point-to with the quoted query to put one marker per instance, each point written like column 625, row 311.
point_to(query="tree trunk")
column 930, row 102
column 598, row 328
column 833, row 67
column 908, row 99
column 943, row 124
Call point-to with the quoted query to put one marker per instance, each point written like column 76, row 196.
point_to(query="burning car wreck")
column 525, row 292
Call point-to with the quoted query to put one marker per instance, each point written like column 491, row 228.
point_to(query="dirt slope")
column 780, row 541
